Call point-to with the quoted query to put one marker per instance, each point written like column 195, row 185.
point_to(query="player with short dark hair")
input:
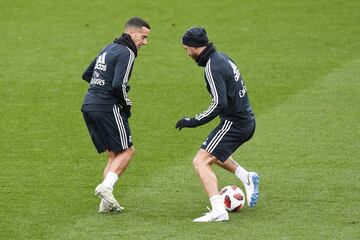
column 237, row 122
column 137, row 22
column 107, row 107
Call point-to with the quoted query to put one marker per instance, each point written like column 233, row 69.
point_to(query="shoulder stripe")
column 126, row 76
column 131, row 60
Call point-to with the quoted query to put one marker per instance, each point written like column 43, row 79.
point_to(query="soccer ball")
column 234, row 198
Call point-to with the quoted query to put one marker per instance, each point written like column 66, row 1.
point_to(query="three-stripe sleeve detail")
column 126, row 76
column 215, row 99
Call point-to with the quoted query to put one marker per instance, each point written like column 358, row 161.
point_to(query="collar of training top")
column 204, row 56
column 125, row 39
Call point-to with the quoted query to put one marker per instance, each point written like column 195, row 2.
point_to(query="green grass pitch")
column 301, row 64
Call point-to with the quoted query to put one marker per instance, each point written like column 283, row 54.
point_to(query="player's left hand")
column 186, row 122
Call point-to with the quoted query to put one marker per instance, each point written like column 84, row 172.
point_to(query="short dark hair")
column 137, row 22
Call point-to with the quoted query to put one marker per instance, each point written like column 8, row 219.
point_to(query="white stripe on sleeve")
column 126, row 77
column 215, row 99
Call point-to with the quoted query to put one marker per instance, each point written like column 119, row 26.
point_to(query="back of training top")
column 108, row 75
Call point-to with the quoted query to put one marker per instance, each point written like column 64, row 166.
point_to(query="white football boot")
column 105, row 208
column 252, row 188
column 106, row 194
column 213, row 217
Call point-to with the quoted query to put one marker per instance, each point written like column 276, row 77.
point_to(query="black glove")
column 127, row 110
column 186, row 122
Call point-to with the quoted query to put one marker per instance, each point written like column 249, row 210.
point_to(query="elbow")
column 221, row 106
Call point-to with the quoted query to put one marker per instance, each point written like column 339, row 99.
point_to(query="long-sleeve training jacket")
column 225, row 84
column 108, row 75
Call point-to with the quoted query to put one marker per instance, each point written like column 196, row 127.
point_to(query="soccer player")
column 107, row 107
column 237, row 122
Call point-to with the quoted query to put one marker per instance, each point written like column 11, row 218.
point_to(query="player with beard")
column 237, row 122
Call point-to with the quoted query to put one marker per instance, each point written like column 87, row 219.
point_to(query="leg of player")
column 120, row 160
column 111, row 158
column 117, row 164
column 249, row 179
column 104, row 206
column 202, row 164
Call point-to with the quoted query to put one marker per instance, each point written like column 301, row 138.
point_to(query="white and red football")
column 234, row 198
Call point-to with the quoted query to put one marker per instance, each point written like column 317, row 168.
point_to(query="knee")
column 127, row 153
column 203, row 159
column 196, row 163
column 130, row 151
column 199, row 162
column 111, row 155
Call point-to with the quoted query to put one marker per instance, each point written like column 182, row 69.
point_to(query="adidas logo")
column 100, row 62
